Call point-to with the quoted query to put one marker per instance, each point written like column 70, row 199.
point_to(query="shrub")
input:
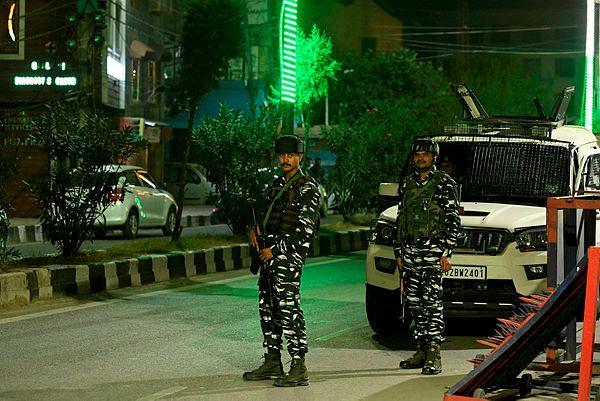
column 234, row 147
column 76, row 190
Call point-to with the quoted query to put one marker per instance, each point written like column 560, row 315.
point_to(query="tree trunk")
column 183, row 176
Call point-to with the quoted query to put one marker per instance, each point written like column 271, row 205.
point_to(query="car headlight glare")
column 532, row 239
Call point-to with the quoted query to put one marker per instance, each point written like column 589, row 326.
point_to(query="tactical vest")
column 420, row 216
column 283, row 218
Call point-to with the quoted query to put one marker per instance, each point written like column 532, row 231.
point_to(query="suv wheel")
column 383, row 311
column 169, row 227
column 131, row 225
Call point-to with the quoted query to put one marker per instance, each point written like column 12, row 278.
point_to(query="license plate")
column 467, row 273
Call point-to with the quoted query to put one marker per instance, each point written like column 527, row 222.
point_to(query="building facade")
column 115, row 53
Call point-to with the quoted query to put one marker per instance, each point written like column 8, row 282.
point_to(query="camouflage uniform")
column 427, row 229
column 292, row 225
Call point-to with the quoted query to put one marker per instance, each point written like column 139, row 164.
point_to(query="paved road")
column 192, row 339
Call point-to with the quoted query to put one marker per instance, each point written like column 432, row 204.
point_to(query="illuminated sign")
column 287, row 49
column 12, row 27
column 45, row 80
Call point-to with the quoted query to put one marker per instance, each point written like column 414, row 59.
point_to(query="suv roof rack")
column 475, row 120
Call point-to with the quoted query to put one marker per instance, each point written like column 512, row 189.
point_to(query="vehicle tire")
column 383, row 311
column 169, row 227
column 130, row 230
column 99, row 232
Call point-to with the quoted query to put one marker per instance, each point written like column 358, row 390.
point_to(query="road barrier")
column 46, row 282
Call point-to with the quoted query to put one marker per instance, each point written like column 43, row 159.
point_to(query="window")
column 131, row 178
column 116, row 21
column 146, row 180
column 135, row 80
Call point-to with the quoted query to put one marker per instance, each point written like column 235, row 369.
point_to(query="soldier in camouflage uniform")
column 428, row 225
column 290, row 225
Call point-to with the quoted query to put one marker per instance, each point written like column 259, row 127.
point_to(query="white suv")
column 136, row 202
column 506, row 169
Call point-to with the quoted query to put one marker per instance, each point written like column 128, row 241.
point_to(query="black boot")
column 417, row 360
column 297, row 376
column 433, row 364
column 270, row 369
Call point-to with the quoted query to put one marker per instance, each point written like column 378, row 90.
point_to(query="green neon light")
column 588, row 96
column 288, row 21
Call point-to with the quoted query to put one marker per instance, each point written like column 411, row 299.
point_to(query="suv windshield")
column 506, row 170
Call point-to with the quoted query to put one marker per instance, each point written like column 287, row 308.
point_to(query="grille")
column 500, row 169
column 507, row 169
column 484, row 242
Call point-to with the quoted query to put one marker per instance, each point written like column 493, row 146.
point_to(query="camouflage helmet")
column 289, row 144
column 425, row 145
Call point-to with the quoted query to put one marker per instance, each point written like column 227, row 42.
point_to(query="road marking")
column 57, row 311
column 162, row 393
column 337, row 333
column 327, row 262
column 149, row 294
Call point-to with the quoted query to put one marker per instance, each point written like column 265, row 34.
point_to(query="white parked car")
column 197, row 187
column 506, row 168
column 136, row 202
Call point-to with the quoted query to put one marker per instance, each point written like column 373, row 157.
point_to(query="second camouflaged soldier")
column 290, row 225
column 428, row 225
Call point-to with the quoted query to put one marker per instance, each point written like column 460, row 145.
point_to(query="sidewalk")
column 24, row 230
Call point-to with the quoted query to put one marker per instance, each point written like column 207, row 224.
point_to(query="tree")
column 236, row 152
column 315, row 67
column 212, row 35
column 76, row 190
column 387, row 100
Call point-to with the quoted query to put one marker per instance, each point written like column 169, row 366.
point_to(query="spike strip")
column 523, row 344
column 508, row 327
column 493, row 345
column 509, row 322
column 531, row 301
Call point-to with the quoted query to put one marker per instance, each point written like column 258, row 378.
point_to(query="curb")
column 21, row 288
column 33, row 233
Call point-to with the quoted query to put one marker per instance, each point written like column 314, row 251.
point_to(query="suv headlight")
column 382, row 232
column 532, row 239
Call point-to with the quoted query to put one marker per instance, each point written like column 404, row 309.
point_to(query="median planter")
column 46, row 282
